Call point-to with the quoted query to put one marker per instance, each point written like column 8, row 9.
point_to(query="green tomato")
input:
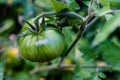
column 42, row 46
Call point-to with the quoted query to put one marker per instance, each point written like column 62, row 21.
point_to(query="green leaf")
column 1, row 72
column 45, row 5
column 115, row 4
column 58, row 6
column 103, row 11
column 95, row 78
column 87, row 2
column 81, row 72
column 7, row 26
column 105, row 3
column 105, row 8
column 108, row 17
column 68, row 38
column 24, row 76
column 101, row 75
column 84, row 47
column 72, row 4
column 108, row 28
column 78, row 56
column 115, row 40
column 111, row 53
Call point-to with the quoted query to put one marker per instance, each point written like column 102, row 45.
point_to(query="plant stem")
column 63, row 66
column 79, row 35
column 72, row 14
column 91, row 23
column 90, row 7
column 43, row 68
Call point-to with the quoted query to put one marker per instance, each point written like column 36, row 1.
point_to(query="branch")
column 50, row 67
column 60, row 14
column 46, row 14
column 79, row 35
column 63, row 66
column 91, row 23
column 90, row 8
column 43, row 68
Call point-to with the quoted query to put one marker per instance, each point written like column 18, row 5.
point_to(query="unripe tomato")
column 42, row 46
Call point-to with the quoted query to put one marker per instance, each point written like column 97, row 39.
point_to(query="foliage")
column 1, row 72
column 95, row 55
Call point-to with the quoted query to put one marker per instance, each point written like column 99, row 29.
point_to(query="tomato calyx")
column 33, row 28
column 36, row 27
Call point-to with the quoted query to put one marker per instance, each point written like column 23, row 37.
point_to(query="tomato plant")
column 59, row 40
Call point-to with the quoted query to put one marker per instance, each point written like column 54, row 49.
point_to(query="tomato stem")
column 90, row 7
column 71, row 14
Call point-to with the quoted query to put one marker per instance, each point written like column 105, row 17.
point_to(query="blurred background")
column 14, row 67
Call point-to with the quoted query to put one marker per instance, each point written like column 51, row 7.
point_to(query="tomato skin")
column 43, row 46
